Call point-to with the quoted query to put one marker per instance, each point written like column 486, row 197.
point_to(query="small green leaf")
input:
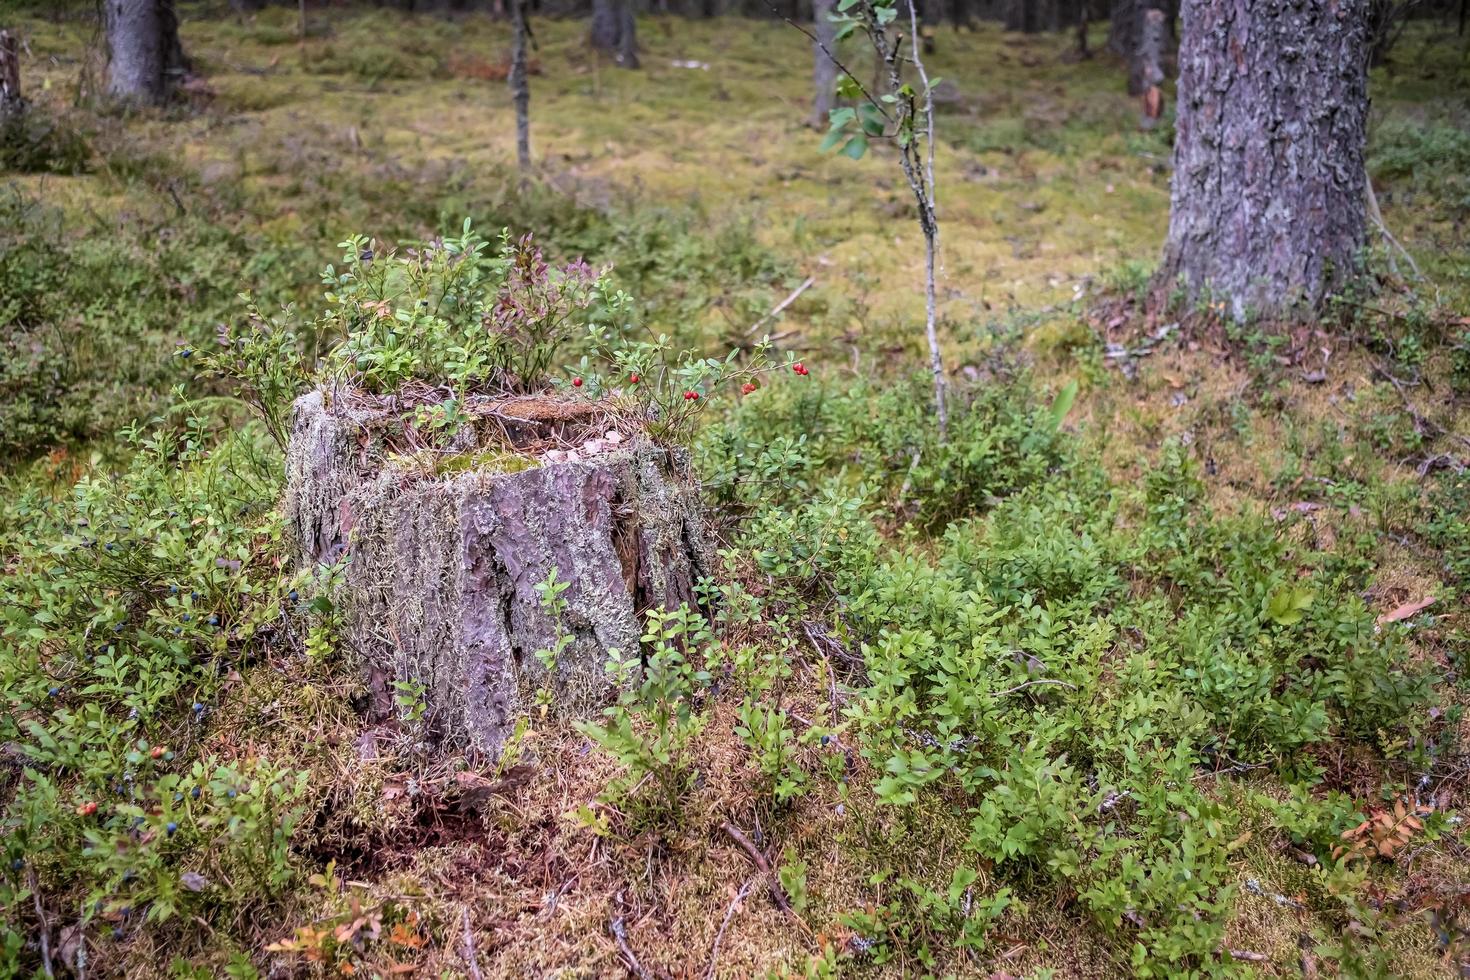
column 856, row 147
column 1062, row 404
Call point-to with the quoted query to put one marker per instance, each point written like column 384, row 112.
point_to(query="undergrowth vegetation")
column 1154, row 671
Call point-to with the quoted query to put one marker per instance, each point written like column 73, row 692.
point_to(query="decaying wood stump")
column 444, row 560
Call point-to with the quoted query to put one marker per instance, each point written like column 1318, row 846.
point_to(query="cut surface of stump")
column 445, row 553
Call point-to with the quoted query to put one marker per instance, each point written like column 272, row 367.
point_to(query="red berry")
column 87, row 809
column 691, row 396
column 576, row 382
column 799, row 368
column 158, row 751
column 747, row 388
column 633, row 379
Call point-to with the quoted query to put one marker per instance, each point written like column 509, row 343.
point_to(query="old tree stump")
column 445, row 550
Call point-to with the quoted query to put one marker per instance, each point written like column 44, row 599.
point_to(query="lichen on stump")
column 443, row 563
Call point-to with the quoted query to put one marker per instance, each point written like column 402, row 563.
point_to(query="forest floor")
column 699, row 179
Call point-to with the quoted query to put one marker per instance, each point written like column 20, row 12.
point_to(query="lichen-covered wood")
column 443, row 566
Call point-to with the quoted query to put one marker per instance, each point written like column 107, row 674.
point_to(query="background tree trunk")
column 605, row 14
column 1267, row 209
column 1123, row 27
column 11, row 102
column 627, row 34
column 145, row 59
column 520, row 84
column 1146, row 60
column 824, row 69
column 932, row 12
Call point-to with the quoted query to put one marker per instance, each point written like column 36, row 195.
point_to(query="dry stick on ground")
column 781, row 306
column 45, row 924
column 469, row 949
column 778, row 894
column 714, row 954
column 620, row 936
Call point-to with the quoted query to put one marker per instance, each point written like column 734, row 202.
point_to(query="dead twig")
column 620, row 936
column 778, row 894
column 781, row 306
column 45, row 924
column 1020, row 687
column 714, row 955
column 469, row 949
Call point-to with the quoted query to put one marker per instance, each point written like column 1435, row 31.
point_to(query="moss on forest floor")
column 1049, row 198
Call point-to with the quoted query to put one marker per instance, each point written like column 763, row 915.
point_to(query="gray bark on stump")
column 824, row 69
column 441, row 582
column 1267, row 210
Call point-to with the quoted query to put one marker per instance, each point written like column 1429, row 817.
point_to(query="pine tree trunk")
column 1123, row 27
column 932, row 12
column 824, row 68
column 1145, row 62
column 961, row 15
column 145, row 60
column 520, row 85
column 1267, row 211
column 627, row 34
column 11, row 102
column 605, row 14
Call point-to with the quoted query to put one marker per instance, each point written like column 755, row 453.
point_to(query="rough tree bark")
column 1267, row 210
column 520, row 84
column 824, row 68
column 145, row 60
column 440, row 589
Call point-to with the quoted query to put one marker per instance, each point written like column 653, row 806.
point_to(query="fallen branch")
column 1022, row 687
column 781, row 306
column 469, row 949
column 778, row 894
column 620, row 936
column 45, row 925
column 714, row 955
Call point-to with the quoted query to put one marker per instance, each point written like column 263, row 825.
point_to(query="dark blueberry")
column 17, row 864
column 193, row 595
column 198, row 707
column 826, row 739
column 186, row 352
column 231, row 794
column 213, row 620
column 186, row 617
column 117, row 932
column 177, row 631
column 194, row 792
column 292, row 596
column 53, row 692
column 173, row 590
column 117, row 627
column 125, row 911
column 109, row 546
column 171, row 827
